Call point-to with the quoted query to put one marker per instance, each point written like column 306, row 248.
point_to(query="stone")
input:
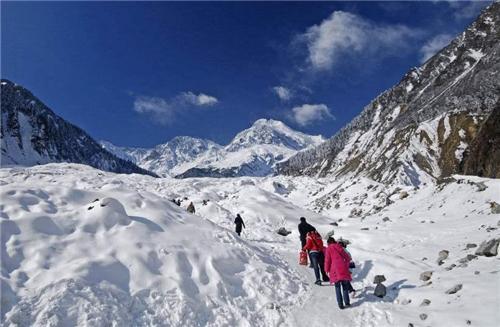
column 454, row 289
column 470, row 245
column 334, row 224
column 481, row 187
column 477, row 272
column 283, row 231
column 425, row 302
column 406, row 301
column 365, row 228
column 450, row 267
column 403, row 195
column 380, row 290
column 495, row 207
column 442, row 255
column 468, row 322
column 468, row 258
column 379, row 279
column 426, row 275
column 410, row 325
column 488, row 248
column 386, row 219
column 423, row 316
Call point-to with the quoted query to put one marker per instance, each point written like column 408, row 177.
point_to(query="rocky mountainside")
column 32, row 134
column 421, row 129
column 252, row 152
column 168, row 159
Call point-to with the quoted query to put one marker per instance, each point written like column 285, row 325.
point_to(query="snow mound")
column 83, row 247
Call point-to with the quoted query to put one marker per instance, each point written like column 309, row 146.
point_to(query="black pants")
column 342, row 297
column 318, row 263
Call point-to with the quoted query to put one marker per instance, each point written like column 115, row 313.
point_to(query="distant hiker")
column 314, row 244
column 178, row 202
column 304, row 228
column 337, row 265
column 344, row 244
column 238, row 221
column 191, row 208
column 205, row 202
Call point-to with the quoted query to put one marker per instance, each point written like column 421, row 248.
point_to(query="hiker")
column 191, row 208
column 337, row 265
column 314, row 244
column 304, row 228
column 344, row 244
column 238, row 221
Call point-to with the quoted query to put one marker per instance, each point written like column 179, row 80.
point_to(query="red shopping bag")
column 303, row 258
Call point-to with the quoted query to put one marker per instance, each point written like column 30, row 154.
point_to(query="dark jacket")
column 305, row 228
column 239, row 222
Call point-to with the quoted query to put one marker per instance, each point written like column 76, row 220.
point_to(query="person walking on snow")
column 191, row 208
column 304, row 228
column 337, row 265
column 314, row 244
column 238, row 221
column 344, row 244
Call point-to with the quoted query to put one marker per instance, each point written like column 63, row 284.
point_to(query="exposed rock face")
column 32, row 134
column 420, row 129
column 482, row 158
column 488, row 248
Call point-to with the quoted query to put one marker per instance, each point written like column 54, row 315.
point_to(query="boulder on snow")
column 379, row 279
column 468, row 258
column 470, row 245
column 380, row 290
column 423, row 316
column 454, row 289
column 488, row 248
column 403, row 195
column 442, row 255
column 495, row 207
column 426, row 275
column 425, row 302
column 283, row 231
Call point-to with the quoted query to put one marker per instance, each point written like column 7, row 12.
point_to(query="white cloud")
column 166, row 111
column 283, row 93
column 435, row 44
column 306, row 114
column 344, row 33
column 198, row 100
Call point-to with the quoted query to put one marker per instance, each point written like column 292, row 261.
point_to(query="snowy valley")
column 92, row 235
column 84, row 247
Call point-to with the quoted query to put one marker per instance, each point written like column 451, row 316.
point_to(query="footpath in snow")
column 83, row 247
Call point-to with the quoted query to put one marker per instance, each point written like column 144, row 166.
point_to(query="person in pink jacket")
column 337, row 267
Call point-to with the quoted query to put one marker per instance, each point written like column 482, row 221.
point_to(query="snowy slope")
column 420, row 129
column 32, row 134
column 132, row 257
column 82, row 247
column 252, row 152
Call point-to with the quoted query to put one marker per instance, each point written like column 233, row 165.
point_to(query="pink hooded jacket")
column 337, row 263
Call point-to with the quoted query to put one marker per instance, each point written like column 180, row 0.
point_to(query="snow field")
column 135, row 258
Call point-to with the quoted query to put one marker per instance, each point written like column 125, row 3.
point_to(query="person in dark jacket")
column 238, row 221
column 304, row 228
column 191, row 208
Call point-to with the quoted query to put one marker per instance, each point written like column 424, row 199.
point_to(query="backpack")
column 316, row 239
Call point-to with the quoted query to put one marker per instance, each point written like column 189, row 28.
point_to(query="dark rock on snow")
column 488, row 248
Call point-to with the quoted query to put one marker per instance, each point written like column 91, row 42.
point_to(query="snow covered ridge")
column 83, row 247
column 32, row 134
column 462, row 80
column 252, row 152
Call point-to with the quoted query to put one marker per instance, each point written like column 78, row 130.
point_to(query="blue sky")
column 140, row 73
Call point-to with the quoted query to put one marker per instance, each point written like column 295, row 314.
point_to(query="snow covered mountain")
column 32, row 134
column 424, row 127
column 252, row 152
